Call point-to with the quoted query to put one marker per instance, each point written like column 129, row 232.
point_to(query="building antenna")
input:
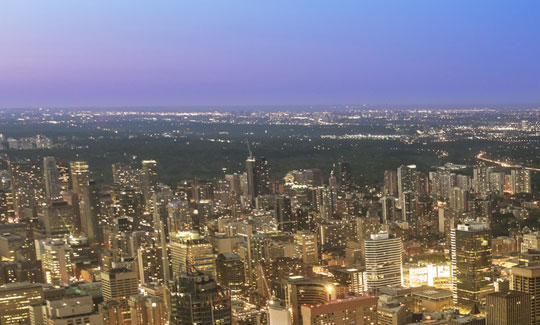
column 249, row 148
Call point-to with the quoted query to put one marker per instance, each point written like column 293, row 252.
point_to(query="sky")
column 107, row 53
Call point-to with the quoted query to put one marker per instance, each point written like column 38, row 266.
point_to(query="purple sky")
column 90, row 53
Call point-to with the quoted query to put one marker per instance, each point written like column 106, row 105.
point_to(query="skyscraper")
column 472, row 277
column 383, row 261
column 521, row 181
column 118, row 284
column 284, row 214
column 508, row 308
column 149, row 178
column 230, row 272
column 15, row 301
column 26, row 185
column 51, row 178
column 342, row 172
column 196, row 298
column 258, row 177
column 526, row 278
column 191, row 249
column 56, row 262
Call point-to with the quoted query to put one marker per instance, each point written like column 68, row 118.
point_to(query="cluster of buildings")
column 306, row 249
column 27, row 143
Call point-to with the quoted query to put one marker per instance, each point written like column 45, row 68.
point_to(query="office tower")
column 68, row 310
column 521, row 181
column 150, row 262
column 126, row 175
column 127, row 202
column 87, row 194
column 191, row 249
column 231, row 273
column 51, row 178
column 118, row 284
column 147, row 310
column 80, row 175
column 530, row 242
column 196, row 298
column 284, row 214
column 365, row 227
column 90, row 217
column 390, row 183
column 26, row 185
column 278, row 313
column 350, row 278
column 258, row 177
column 383, row 261
column 306, row 246
column 407, row 181
column 334, row 234
column 342, row 172
column 526, row 278
column 472, row 277
column 15, row 301
column 298, row 291
column 313, row 177
column 149, row 178
column 459, row 200
column 361, row 310
column 55, row 258
column 202, row 190
column 64, row 175
column 508, row 308
column 58, row 219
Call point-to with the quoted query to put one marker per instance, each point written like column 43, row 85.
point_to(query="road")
column 481, row 155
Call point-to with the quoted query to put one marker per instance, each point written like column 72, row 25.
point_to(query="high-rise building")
column 191, row 249
column 526, row 278
column 87, row 193
column 508, row 308
column 298, row 290
column 147, row 310
column 306, row 245
column 196, row 298
column 26, row 185
column 258, row 177
column 150, row 262
column 118, row 284
column 15, row 301
column 388, row 204
column 149, row 178
column 231, row 272
column 521, row 181
column 472, row 276
column 360, row 310
column 459, row 200
column 284, row 214
column 390, row 183
column 65, row 311
column 383, row 261
column 56, row 262
column 342, row 172
column 80, row 175
column 407, row 178
column 51, row 178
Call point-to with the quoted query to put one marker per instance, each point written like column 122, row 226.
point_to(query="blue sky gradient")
column 84, row 53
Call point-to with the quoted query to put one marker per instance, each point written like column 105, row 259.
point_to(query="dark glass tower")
column 196, row 298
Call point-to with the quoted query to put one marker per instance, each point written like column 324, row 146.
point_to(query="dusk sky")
column 90, row 53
